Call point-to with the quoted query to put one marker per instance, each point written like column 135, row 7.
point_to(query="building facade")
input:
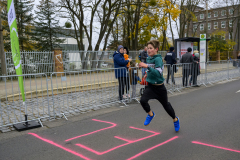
column 225, row 19
column 70, row 42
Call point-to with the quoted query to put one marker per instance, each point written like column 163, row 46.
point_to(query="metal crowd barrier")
column 61, row 94
column 12, row 108
column 86, row 90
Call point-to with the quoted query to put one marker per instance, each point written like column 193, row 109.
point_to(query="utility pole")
column 207, row 29
column 2, row 55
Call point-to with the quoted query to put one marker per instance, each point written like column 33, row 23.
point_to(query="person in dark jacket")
column 120, row 65
column 144, row 57
column 195, row 69
column 238, row 61
column 187, row 60
column 170, row 60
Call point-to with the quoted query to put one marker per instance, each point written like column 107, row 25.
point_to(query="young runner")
column 156, row 88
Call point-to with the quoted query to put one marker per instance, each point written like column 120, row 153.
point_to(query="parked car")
column 104, row 64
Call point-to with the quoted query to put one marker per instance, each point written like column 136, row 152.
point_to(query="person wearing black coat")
column 170, row 60
column 195, row 69
column 186, row 60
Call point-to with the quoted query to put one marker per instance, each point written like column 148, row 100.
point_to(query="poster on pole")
column 15, row 45
column 182, row 48
column 202, row 50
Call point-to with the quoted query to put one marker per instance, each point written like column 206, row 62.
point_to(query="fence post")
column 228, row 69
column 206, row 73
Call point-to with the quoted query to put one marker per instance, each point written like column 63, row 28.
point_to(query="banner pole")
column 12, row 22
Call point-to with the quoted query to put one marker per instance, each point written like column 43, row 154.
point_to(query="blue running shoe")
column 149, row 119
column 177, row 125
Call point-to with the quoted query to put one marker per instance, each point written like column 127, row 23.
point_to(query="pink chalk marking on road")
column 104, row 152
column 147, row 150
column 143, row 130
column 133, row 141
column 209, row 145
column 123, row 139
column 113, row 125
column 59, row 146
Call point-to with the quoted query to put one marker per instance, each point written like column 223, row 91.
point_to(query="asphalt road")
column 210, row 130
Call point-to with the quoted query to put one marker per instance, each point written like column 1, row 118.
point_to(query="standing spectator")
column 238, row 61
column 170, row 60
column 195, row 69
column 120, row 65
column 126, row 57
column 186, row 59
column 144, row 56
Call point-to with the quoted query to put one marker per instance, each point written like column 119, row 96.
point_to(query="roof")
column 191, row 39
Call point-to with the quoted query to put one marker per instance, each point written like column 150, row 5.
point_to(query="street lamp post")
column 207, row 29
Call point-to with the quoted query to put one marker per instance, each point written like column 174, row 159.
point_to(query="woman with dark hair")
column 126, row 57
column 120, row 69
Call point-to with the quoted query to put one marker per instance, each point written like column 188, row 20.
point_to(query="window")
column 215, row 13
column 223, row 37
column 223, row 12
column 201, row 16
column 201, row 27
column 209, row 15
column 209, row 26
column 185, row 34
column 230, row 36
column 230, row 23
column 194, row 28
column 185, row 26
column 231, row 11
column 215, row 25
column 223, row 24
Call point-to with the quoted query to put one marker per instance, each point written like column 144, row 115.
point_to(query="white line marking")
column 238, row 91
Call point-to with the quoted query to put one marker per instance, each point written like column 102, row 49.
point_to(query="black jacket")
column 195, row 66
column 144, row 56
column 170, row 58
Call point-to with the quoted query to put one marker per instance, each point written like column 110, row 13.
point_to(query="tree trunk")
column 170, row 22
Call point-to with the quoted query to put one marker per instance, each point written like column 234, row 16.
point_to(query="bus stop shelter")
column 182, row 44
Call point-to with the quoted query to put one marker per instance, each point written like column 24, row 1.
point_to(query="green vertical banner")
column 15, row 45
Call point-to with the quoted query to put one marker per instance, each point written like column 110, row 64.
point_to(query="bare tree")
column 187, row 15
column 106, row 20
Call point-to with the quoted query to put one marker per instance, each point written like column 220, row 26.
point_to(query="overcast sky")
column 212, row 4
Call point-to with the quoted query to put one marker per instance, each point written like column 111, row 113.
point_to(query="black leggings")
column 123, row 81
column 158, row 92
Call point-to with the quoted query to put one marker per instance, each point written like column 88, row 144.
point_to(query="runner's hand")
column 145, row 76
column 144, row 65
